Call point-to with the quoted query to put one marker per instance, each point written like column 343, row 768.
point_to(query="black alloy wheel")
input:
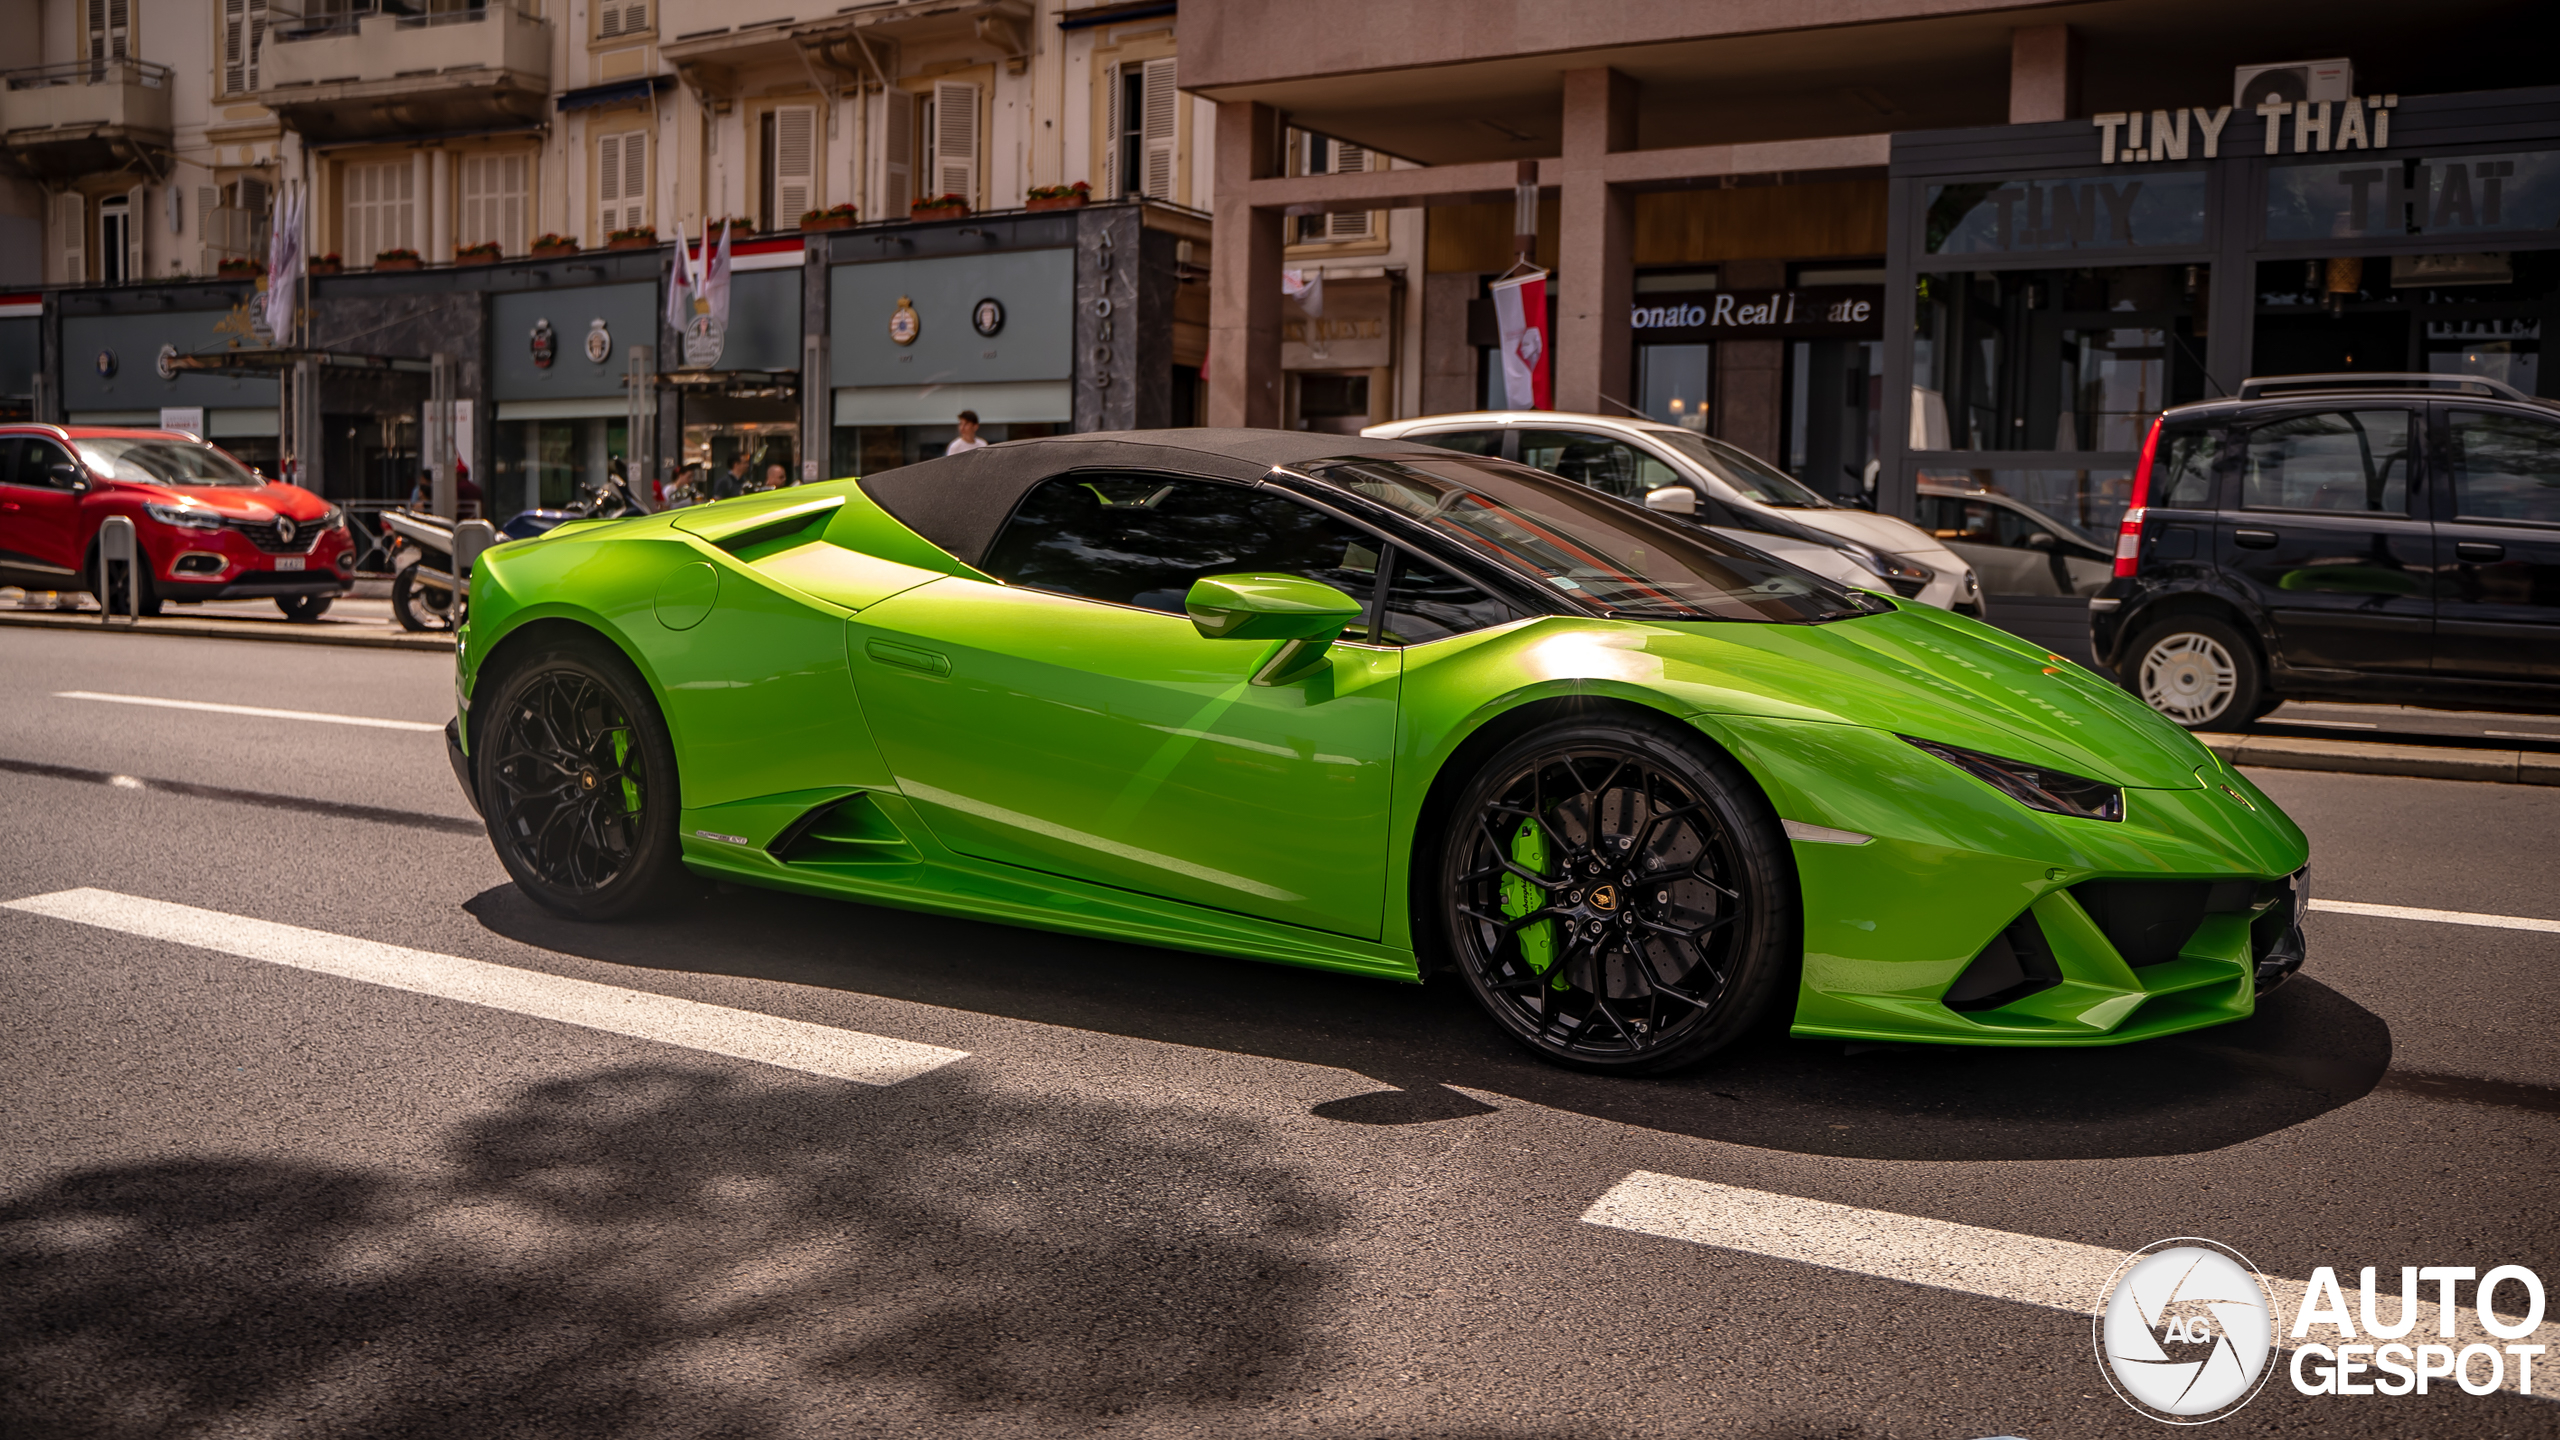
column 577, row 781
column 304, row 608
column 1619, row 897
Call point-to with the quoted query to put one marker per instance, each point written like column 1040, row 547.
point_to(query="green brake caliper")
column 622, row 761
column 1519, row 897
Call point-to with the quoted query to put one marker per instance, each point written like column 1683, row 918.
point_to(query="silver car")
column 2018, row 549
column 1667, row 468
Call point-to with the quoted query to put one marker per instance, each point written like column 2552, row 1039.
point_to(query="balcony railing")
column 376, row 70
column 140, row 74
column 85, row 116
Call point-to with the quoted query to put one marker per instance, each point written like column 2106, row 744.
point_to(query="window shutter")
column 493, row 202
column 1356, row 224
column 897, row 152
column 137, row 204
column 608, row 186
column 511, row 205
column 235, row 46
column 1157, row 129
column 1114, row 126
column 71, row 223
column 635, row 180
column 795, row 163
column 955, row 140
column 257, row 39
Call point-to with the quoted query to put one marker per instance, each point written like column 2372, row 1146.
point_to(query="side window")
column 2014, row 528
column 1136, row 539
column 2352, row 462
column 2505, row 467
column 2182, row 474
column 1465, row 442
column 1610, row 466
column 9, row 445
column 44, row 465
column 1426, row 603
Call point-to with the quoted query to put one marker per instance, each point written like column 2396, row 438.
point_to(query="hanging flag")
column 716, row 284
column 284, row 264
column 1307, row 288
column 1520, row 309
column 679, row 284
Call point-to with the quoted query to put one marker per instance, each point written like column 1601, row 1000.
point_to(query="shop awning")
column 735, row 384
column 620, row 92
column 285, row 359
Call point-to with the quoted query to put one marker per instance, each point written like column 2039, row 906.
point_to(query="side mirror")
column 2040, row 540
column 1304, row 615
column 72, row 478
column 1672, row 500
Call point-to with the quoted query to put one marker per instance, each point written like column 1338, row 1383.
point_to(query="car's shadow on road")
column 2307, row 1051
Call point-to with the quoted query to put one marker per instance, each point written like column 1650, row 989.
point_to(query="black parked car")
column 2391, row 539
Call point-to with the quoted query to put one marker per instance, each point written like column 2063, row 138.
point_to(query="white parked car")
column 1666, row 468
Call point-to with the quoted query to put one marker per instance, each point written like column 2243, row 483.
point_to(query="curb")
column 88, row 623
column 2353, row 757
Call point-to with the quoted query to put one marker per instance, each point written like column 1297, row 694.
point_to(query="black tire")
column 2200, row 672
column 577, row 782
column 146, row 599
column 1600, row 976
column 304, row 608
column 417, row 606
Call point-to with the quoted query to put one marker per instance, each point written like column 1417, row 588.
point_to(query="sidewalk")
column 2365, row 757
column 358, row 619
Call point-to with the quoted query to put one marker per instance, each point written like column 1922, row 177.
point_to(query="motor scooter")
column 426, row 594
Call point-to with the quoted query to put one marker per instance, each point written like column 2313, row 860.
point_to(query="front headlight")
column 186, row 515
column 1888, row 566
column 2055, row 792
column 336, row 519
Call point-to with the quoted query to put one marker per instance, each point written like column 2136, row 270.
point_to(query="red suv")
column 210, row 528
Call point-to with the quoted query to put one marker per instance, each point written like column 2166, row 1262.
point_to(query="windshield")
column 163, row 462
column 1608, row 556
column 1742, row 470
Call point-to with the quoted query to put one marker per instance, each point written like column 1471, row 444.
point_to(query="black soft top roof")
column 959, row 501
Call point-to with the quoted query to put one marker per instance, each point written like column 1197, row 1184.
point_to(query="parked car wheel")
column 146, row 600
column 418, row 606
column 1619, row 899
column 304, row 607
column 577, row 781
column 2199, row 672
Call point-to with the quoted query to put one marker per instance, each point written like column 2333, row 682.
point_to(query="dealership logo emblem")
column 599, row 343
column 2187, row 1331
column 546, row 344
column 987, row 318
column 904, row 323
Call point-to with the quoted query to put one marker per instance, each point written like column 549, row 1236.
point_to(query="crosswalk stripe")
column 2441, row 917
column 260, row 711
column 1967, row 1259
column 716, row 1029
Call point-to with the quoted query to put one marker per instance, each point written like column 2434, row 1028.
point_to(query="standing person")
column 732, row 481
column 776, row 477
column 968, row 440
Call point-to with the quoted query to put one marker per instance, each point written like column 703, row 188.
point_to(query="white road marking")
column 2332, row 724
column 262, row 711
column 1967, row 1259
column 741, row 1034
column 2441, row 917
column 2524, row 734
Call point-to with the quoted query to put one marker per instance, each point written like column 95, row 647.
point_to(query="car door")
column 2497, row 546
column 1982, row 533
column 40, row 538
column 2324, row 540
column 1072, row 720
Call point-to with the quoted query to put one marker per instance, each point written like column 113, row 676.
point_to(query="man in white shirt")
column 968, row 440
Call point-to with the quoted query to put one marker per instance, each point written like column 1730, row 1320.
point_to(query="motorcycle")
column 425, row 592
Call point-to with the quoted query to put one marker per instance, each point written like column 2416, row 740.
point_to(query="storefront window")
column 1671, row 382
column 1835, row 395
column 2390, row 196
column 2106, row 212
column 2462, row 313
column 2072, row 360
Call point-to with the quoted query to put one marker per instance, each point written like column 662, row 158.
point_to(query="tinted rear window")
column 2182, row 471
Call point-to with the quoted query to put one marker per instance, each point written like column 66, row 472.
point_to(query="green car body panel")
column 993, row 752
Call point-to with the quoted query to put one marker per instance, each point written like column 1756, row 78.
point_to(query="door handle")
column 2479, row 550
column 2254, row 539
column 908, row 657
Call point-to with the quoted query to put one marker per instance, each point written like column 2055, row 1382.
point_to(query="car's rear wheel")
column 577, row 781
column 2199, row 672
column 304, row 607
column 1618, row 897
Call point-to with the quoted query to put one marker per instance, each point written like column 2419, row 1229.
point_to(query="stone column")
column 1749, row 373
column 2044, row 74
column 1244, row 272
column 1594, row 261
column 440, row 217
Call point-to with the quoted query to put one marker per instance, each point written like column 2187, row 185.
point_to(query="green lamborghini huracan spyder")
column 1375, row 707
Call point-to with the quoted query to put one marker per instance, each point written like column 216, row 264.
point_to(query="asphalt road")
column 1163, row 1194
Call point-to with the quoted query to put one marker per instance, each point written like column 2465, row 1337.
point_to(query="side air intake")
column 851, row 831
column 2016, row 964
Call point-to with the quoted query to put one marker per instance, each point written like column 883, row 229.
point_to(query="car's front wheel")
column 1619, row 897
column 304, row 608
column 2199, row 672
column 577, row 781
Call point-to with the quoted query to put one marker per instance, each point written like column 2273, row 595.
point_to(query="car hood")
column 1921, row 672
column 255, row 504
column 1901, row 537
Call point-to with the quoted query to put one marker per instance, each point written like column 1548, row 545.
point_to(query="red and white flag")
column 1520, row 308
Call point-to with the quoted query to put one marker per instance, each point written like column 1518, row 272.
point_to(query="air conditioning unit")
column 2255, row 85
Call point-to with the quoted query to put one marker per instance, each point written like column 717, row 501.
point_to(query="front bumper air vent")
column 2016, row 964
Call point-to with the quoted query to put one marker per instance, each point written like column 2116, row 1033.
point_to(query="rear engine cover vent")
column 2016, row 964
